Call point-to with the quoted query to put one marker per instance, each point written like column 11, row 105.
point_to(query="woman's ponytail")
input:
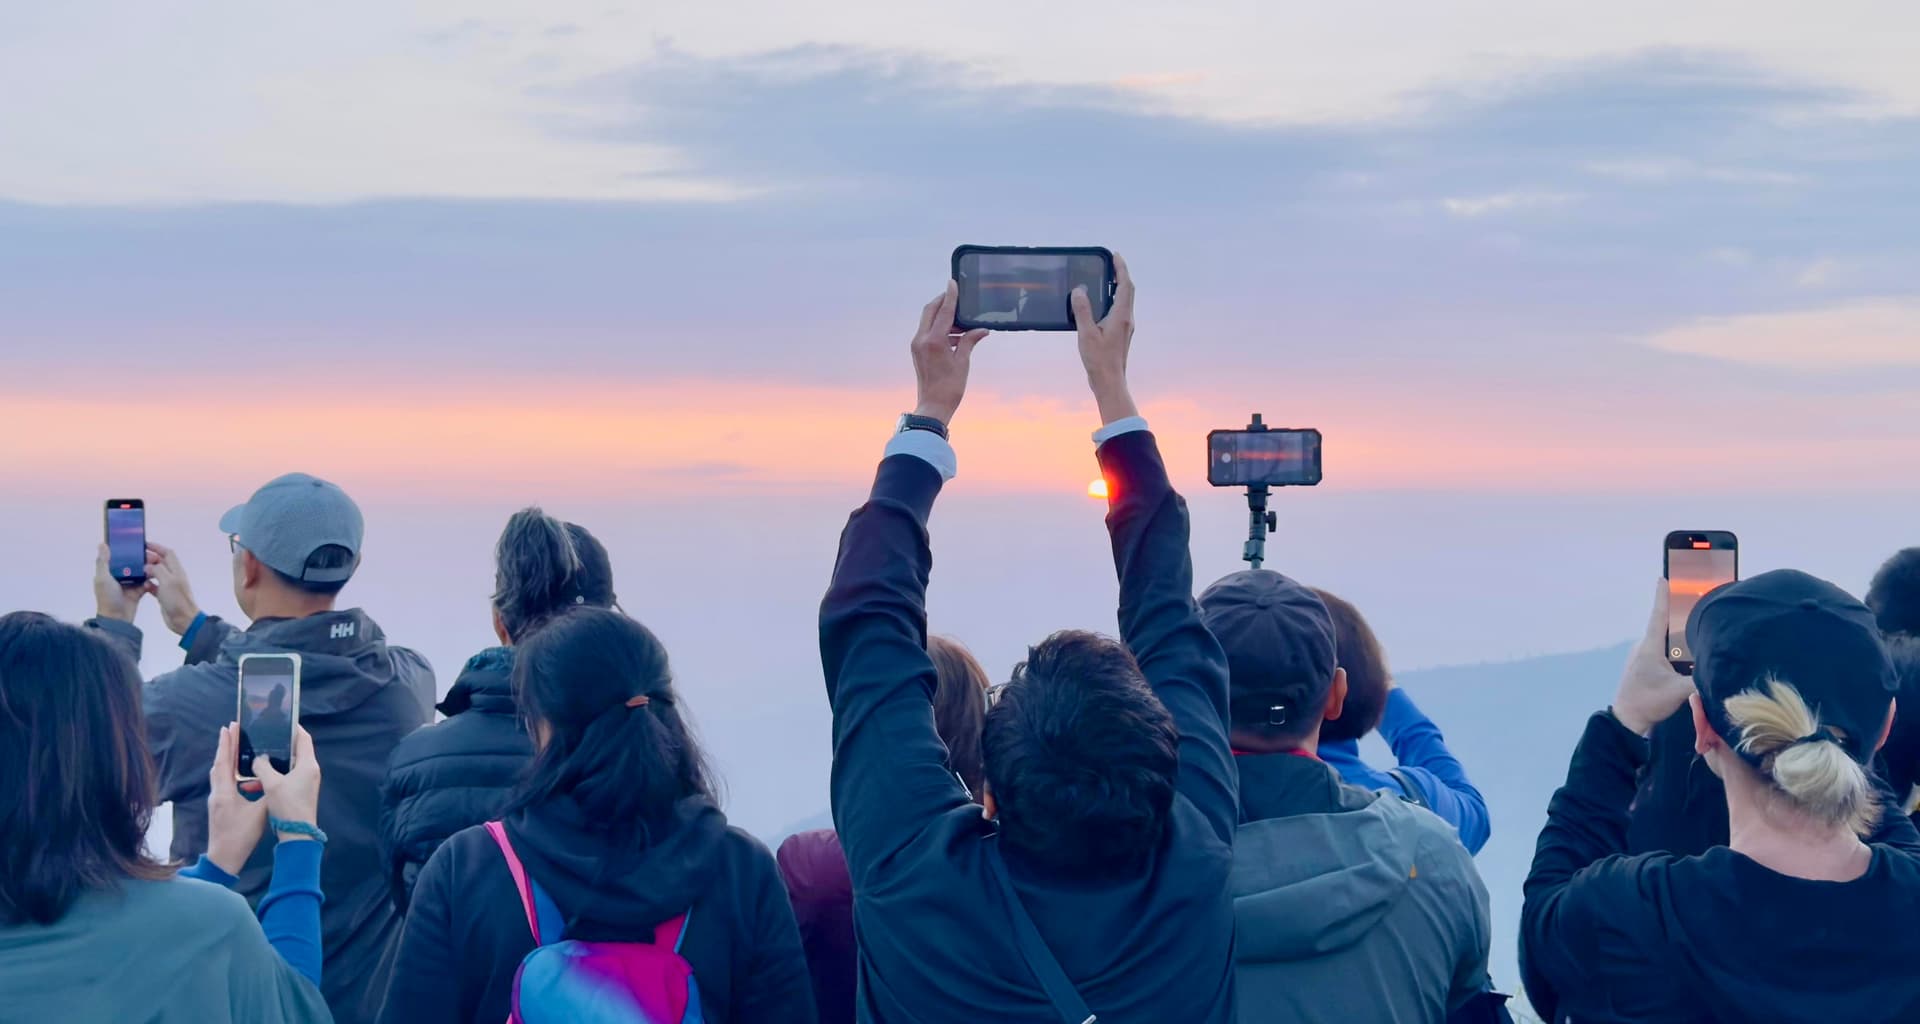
column 1802, row 758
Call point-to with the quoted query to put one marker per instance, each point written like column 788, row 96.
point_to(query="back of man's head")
column 1081, row 758
column 1280, row 648
column 304, row 532
column 1895, row 594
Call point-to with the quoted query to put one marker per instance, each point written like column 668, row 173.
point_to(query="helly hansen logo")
column 342, row 631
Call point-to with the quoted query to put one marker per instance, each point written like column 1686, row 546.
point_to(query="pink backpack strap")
column 499, row 833
column 670, row 934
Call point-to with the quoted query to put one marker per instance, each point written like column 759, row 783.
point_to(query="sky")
column 1552, row 280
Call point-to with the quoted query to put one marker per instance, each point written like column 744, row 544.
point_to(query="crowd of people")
column 1174, row 824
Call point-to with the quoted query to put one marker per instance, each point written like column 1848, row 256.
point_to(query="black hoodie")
column 467, row 933
column 455, row 774
column 1715, row 937
column 358, row 697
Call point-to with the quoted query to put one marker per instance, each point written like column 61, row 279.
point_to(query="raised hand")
column 942, row 359
column 1104, row 346
column 294, row 796
column 111, row 600
column 167, row 578
column 234, row 822
column 1650, row 690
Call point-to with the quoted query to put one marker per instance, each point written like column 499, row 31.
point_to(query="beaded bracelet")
column 298, row 828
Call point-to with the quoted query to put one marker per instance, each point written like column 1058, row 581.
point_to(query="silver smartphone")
column 269, row 710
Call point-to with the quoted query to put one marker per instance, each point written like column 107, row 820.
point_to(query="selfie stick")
column 1260, row 522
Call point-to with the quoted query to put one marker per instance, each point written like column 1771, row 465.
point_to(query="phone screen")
column 1277, row 458
column 1029, row 289
column 127, row 540
column 1696, row 564
column 269, row 706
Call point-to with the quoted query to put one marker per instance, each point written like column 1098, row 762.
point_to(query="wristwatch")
column 909, row 421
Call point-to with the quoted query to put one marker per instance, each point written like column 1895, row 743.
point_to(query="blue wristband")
column 193, row 630
column 298, row 828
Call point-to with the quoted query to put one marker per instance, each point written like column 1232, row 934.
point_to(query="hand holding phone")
column 1650, row 689
column 295, row 795
column 236, row 816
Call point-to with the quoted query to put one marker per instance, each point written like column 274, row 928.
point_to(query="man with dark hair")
column 1331, row 882
column 1092, row 880
column 295, row 544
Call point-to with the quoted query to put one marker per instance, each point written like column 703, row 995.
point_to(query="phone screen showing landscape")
column 267, row 696
column 1030, row 290
column 1691, row 574
column 127, row 542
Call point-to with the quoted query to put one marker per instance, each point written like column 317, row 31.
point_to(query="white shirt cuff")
column 1125, row 425
column 929, row 448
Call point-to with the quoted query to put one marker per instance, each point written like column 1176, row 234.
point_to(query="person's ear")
column 988, row 808
column 1704, row 738
column 1336, row 696
column 251, row 569
column 1893, row 709
column 500, row 629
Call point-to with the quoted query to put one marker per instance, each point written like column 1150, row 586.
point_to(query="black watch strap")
column 927, row 423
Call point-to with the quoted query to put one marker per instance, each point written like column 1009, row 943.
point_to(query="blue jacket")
column 1425, row 759
column 932, row 924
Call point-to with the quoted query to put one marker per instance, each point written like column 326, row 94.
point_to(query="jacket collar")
column 1285, row 785
column 485, row 685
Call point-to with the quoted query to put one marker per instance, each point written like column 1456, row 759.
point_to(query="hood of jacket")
column 611, row 894
column 1318, row 863
column 485, row 684
column 344, row 658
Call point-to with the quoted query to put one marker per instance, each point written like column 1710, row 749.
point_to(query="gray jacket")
column 358, row 697
column 1350, row 907
column 173, row 952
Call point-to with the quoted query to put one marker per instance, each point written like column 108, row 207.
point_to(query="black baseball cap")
column 1280, row 648
column 1796, row 629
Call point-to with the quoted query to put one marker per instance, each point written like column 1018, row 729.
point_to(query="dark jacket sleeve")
column 206, row 643
column 1574, row 931
column 777, row 987
column 890, row 777
column 1160, row 621
column 426, row 986
column 402, row 872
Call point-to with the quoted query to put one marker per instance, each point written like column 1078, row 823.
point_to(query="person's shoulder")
column 470, row 734
column 204, row 685
column 813, row 865
column 210, row 906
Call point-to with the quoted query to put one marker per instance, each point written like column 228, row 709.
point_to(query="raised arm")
column 1159, row 620
column 1422, row 752
column 890, row 776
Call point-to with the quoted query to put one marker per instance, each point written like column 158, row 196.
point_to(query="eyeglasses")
column 994, row 693
column 233, row 543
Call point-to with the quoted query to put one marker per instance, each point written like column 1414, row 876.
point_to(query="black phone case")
column 1319, row 468
column 1101, row 303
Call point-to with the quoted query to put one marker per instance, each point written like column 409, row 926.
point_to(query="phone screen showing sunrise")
column 1691, row 573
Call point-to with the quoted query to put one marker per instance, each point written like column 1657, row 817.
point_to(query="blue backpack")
column 564, row 981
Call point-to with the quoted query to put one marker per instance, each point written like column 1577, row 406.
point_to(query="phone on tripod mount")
column 1259, row 458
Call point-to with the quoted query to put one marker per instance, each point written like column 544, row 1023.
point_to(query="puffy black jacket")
column 454, row 774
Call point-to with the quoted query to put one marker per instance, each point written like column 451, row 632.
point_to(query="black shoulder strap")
column 1414, row 794
column 1066, row 1001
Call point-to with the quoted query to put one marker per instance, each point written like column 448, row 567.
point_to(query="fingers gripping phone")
column 1011, row 288
column 269, row 710
column 127, row 541
column 1697, row 562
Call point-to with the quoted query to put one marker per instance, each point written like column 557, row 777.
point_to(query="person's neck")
column 1788, row 843
column 289, row 606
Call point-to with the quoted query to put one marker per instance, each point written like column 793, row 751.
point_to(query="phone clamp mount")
column 1260, row 521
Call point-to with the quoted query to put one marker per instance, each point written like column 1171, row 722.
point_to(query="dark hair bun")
column 1895, row 594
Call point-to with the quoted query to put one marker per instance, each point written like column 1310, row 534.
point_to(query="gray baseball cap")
column 293, row 516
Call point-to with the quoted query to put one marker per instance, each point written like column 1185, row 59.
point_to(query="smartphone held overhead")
column 1015, row 288
column 1697, row 563
column 269, row 710
column 126, row 526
